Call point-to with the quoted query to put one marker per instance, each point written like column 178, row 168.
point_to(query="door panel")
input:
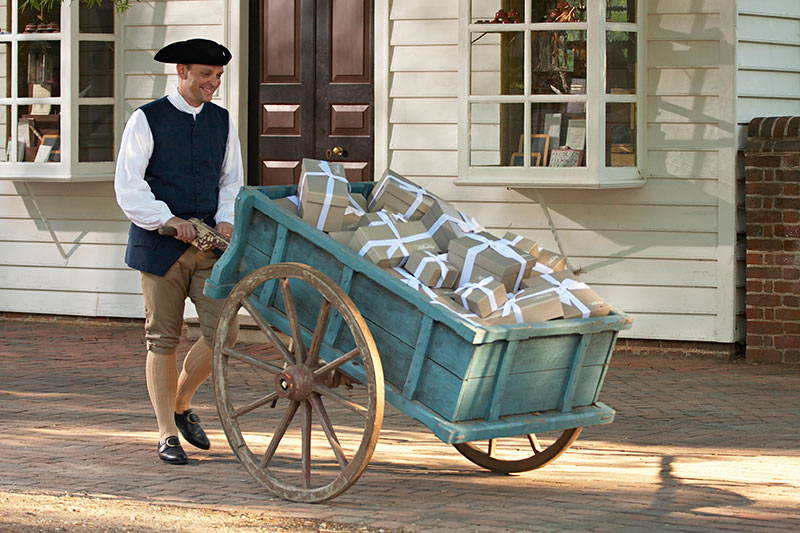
column 345, row 91
column 311, row 87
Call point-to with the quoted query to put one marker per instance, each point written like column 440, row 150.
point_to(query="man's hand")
column 225, row 229
column 184, row 228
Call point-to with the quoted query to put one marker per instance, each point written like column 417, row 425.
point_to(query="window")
column 551, row 93
column 57, row 92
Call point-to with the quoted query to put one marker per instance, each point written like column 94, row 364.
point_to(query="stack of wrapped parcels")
column 439, row 251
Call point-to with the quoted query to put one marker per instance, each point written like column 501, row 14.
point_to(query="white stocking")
column 196, row 369
column 162, row 379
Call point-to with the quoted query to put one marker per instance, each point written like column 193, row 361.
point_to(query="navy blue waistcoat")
column 183, row 172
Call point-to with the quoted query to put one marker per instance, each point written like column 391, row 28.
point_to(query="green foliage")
column 46, row 5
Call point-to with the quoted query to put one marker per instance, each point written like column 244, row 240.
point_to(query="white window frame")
column 68, row 168
column 595, row 174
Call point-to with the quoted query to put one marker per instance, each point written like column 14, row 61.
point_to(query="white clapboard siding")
column 92, row 189
column 75, row 279
column 424, row 32
column 595, row 216
column 419, row 58
column 65, row 302
column 624, row 244
column 768, row 58
column 423, row 9
column 662, row 326
column 600, row 271
column 424, row 84
column 653, row 251
column 81, row 255
column 683, row 53
column 68, row 232
column 684, row 109
column 681, row 26
column 683, row 164
column 424, row 137
column 424, row 111
column 154, row 37
column 436, row 162
column 173, row 13
column 686, row 6
column 54, row 207
column 659, row 191
column 672, row 81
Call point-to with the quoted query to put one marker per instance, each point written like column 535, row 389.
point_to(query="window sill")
column 57, row 172
column 554, row 178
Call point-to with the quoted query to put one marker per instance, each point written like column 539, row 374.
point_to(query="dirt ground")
column 33, row 512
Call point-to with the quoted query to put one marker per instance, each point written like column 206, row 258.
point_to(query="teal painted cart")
column 349, row 322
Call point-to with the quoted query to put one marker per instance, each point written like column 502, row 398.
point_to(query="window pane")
column 621, row 135
column 39, row 69
column 558, row 62
column 48, row 20
column 495, row 134
column 497, row 63
column 497, row 11
column 5, row 16
column 39, row 134
column 6, row 149
column 96, row 19
column 621, row 62
column 558, row 11
column 558, row 133
column 96, row 66
column 96, row 133
column 5, row 70
column 621, row 10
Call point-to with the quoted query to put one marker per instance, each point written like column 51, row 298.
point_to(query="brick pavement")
column 698, row 445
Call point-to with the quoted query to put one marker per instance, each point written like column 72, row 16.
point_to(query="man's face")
column 198, row 83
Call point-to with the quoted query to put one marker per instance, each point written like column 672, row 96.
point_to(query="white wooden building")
column 659, row 239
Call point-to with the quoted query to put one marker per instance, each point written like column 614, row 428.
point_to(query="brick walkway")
column 698, row 445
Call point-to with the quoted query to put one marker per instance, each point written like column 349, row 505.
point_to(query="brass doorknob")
column 335, row 151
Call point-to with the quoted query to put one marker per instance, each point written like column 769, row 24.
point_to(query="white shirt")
column 133, row 193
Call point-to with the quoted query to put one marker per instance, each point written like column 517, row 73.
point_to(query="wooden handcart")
column 303, row 415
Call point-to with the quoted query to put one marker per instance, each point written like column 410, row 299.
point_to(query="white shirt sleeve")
column 232, row 177
column 133, row 193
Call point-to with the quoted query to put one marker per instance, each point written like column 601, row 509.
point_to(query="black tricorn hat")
column 194, row 51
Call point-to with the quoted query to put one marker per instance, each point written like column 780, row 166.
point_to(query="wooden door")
column 311, row 88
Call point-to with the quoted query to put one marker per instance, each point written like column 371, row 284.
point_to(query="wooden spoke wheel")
column 296, row 422
column 518, row 454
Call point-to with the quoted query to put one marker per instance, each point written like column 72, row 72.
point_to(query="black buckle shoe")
column 170, row 451
column 189, row 425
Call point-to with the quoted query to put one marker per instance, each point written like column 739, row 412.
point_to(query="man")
column 179, row 158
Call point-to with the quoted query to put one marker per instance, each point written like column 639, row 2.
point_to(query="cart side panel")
column 535, row 380
column 384, row 308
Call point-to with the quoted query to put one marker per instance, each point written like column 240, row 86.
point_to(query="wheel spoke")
column 329, row 393
column 279, row 432
column 268, row 331
column 319, row 332
column 306, row 444
column 249, row 359
column 535, row 445
column 255, row 405
column 492, row 447
column 294, row 324
column 327, row 427
column 336, row 362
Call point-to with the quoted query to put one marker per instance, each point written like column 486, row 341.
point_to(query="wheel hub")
column 295, row 383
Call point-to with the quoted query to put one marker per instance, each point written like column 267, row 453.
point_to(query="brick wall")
column 772, row 212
